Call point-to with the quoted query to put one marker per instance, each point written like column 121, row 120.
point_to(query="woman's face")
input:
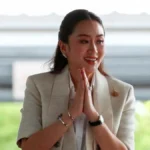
column 86, row 46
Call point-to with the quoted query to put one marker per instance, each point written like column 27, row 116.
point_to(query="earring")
column 64, row 55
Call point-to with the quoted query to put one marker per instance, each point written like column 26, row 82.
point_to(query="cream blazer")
column 46, row 96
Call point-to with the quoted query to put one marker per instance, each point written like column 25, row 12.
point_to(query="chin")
column 90, row 69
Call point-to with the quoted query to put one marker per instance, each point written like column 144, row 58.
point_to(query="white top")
column 80, row 122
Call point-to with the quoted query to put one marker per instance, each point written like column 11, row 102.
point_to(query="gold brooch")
column 114, row 93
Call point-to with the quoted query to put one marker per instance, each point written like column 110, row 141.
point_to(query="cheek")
column 101, row 51
column 101, row 54
column 78, row 51
column 78, row 54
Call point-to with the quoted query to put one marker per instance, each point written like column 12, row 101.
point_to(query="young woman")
column 77, row 106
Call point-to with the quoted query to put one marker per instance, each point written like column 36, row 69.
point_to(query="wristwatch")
column 98, row 122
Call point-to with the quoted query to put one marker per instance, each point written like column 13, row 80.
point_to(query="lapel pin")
column 114, row 93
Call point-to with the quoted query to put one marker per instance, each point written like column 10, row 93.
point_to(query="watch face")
column 101, row 118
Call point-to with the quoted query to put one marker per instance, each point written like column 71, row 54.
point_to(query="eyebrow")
column 99, row 35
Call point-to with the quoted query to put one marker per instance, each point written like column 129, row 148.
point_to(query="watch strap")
column 98, row 122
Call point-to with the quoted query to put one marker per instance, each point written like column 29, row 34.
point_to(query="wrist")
column 92, row 117
column 72, row 112
column 66, row 119
column 98, row 122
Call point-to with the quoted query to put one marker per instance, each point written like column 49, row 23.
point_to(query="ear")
column 63, row 47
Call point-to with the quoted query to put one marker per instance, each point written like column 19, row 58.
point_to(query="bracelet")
column 70, row 116
column 60, row 119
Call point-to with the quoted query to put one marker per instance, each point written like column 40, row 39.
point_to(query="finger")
column 81, row 78
column 81, row 88
column 81, row 81
column 88, row 91
column 86, row 82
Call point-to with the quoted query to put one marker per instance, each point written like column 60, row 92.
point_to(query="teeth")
column 92, row 59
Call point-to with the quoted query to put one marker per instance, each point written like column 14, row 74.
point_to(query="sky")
column 61, row 7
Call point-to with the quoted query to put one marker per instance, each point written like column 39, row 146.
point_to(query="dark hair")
column 66, row 29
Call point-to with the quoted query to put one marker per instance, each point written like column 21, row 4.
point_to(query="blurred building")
column 35, row 38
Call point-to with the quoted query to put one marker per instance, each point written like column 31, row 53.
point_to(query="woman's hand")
column 88, row 108
column 76, row 108
column 82, row 102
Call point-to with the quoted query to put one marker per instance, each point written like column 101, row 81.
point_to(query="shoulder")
column 119, row 83
column 39, row 83
column 41, row 77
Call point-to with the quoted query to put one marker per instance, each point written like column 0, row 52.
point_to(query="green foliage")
column 9, row 122
column 10, row 119
column 142, row 134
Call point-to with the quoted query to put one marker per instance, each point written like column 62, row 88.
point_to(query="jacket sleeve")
column 127, row 123
column 31, row 121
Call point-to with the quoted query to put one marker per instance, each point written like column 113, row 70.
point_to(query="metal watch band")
column 60, row 119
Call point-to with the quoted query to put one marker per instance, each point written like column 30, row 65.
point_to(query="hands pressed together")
column 83, row 102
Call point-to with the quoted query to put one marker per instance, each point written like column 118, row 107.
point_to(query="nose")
column 93, row 47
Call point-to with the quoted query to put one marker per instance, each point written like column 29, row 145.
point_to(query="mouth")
column 91, row 60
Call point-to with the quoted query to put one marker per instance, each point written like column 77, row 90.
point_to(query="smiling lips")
column 91, row 60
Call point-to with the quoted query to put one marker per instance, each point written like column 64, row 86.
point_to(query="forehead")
column 89, row 27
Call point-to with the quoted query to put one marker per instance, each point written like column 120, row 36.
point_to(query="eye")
column 100, row 41
column 84, row 41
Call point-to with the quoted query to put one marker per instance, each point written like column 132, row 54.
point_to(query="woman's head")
column 81, row 40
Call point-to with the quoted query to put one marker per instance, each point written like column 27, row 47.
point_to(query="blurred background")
column 28, row 38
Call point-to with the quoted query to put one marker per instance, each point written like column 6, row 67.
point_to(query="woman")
column 77, row 106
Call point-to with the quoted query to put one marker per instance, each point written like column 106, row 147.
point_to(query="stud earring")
column 64, row 55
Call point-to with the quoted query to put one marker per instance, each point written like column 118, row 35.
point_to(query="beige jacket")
column 47, row 95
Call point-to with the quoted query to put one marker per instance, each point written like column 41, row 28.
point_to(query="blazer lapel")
column 59, row 95
column 102, row 99
column 102, row 103
column 115, row 101
column 59, row 104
